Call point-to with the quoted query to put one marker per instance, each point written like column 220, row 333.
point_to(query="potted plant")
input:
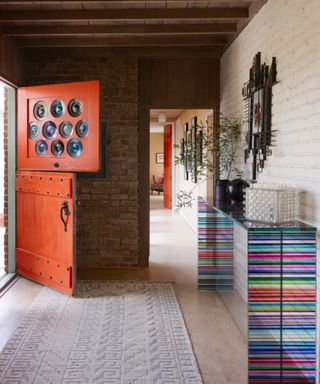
column 220, row 143
column 228, row 132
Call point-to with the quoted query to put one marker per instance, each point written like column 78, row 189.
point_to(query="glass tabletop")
column 236, row 213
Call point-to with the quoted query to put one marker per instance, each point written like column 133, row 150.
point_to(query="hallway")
column 219, row 347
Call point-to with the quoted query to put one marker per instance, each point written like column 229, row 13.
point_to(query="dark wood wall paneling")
column 11, row 60
column 169, row 83
column 179, row 82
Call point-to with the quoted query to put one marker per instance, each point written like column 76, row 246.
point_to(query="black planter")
column 236, row 190
column 221, row 191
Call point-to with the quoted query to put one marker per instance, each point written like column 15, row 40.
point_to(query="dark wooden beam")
column 27, row 2
column 124, row 14
column 145, row 29
column 202, row 40
column 160, row 52
column 253, row 8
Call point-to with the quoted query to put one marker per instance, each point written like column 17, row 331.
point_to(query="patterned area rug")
column 110, row 333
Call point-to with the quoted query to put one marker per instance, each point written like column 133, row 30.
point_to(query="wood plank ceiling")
column 130, row 23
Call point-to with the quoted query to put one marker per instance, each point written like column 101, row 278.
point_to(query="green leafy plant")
column 219, row 143
column 184, row 199
column 228, row 134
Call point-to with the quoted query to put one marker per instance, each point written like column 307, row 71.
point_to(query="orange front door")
column 45, row 228
column 167, row 184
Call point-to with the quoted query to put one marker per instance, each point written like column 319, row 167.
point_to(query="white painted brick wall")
column 289, row 30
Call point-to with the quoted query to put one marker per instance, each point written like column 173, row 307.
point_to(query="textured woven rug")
column 110, row 333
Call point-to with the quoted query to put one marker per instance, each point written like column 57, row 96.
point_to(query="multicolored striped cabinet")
column 266, row 273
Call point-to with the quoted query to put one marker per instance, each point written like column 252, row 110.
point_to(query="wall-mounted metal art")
column 186, row 151
column 191, row 151
column 194, row 178
column 257, row 95
column 182, row 155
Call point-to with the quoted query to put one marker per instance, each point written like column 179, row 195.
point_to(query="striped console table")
column 281, row 290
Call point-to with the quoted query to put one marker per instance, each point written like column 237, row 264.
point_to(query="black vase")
column 236, row 190
column 221, row 191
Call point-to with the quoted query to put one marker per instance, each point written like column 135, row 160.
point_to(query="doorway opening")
column 172, row 227
column 7, row 181
column 161, row 159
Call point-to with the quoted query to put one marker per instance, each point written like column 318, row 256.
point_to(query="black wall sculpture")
column 257, row 95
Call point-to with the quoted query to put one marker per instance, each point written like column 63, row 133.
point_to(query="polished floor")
column 218, row 344
column 2, row 232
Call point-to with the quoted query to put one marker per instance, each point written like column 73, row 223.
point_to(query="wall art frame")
column 159, row 157
column 185, row 151
column 257, row 96
column 194, row 157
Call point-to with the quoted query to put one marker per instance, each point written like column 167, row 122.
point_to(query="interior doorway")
column 161, row 156
column 167, row 178
column 156, row 161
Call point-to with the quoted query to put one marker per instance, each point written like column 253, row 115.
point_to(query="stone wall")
column 107, row 218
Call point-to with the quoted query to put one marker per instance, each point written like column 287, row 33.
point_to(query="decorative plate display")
column 41, row 147
column 75, row 107
column 66, row 129
column 75, row 147
column 64, row 121
column 58, row 108
column 34, row 130
column 57, row 147
column 40, row 110
column 82, row 128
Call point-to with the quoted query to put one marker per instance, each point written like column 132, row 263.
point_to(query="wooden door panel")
column 44, row 245
column 167, row 184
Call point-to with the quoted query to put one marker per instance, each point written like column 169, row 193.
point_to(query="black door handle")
column 64, row 211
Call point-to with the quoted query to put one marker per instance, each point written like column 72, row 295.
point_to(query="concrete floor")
column 2, row 232
column 220, row 348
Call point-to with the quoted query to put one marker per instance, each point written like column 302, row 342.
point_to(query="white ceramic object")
column 271, row 203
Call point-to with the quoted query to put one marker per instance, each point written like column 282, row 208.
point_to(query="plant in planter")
column 220, row 143
column 229, row 134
